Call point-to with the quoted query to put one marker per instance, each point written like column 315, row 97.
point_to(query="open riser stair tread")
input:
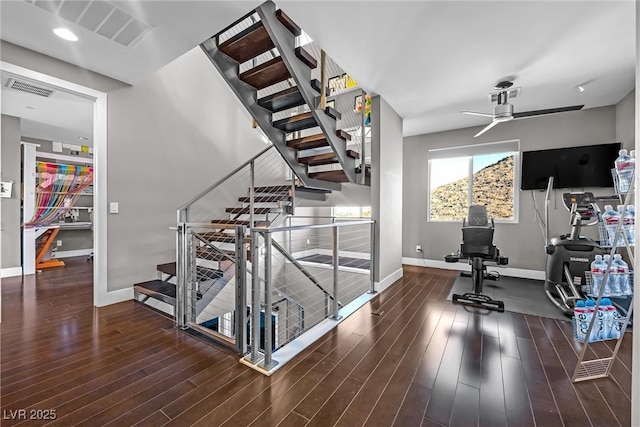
column 296, row 123
column 249, row 43
column 306, row 57
column 157, row 289
column 247, row 211
column 274, row 198
column 288, row 23
column 266, row 74
column 168, row 268
column 325, row 158
column 309, row 142
column 270, row 189
column 279, row 101
column 334, row 176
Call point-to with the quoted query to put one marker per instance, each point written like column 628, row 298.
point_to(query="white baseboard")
column 11, row 272
column 69, row 254
column 460, row 266
column 389, row 280
column 114, row 297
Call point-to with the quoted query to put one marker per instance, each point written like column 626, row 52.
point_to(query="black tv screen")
column 573, row 167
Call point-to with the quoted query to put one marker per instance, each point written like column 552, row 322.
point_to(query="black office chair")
column 478, row 248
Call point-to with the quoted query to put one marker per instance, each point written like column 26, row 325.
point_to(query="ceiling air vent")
column 29, row 88
column 100, row 17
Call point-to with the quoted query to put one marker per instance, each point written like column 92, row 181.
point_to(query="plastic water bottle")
column 611, row 218
column 591, row 311
column 597, row 272
column 630, row 224
column 625, row 166
column 608, row 266
column 603, row 325
column 622, row 269
column 616, row 323
column 581, row 317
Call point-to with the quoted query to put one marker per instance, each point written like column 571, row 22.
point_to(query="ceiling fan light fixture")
column 65, row 34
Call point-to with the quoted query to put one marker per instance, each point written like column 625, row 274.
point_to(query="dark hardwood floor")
column 408, row 358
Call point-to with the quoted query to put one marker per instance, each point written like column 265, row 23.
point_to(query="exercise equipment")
column 570, row 255
column 478, row 248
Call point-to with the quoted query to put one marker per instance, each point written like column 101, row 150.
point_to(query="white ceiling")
column 428, row 59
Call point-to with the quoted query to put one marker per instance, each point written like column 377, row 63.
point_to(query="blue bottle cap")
column 605, row 301
column 591, row 303
column 579, row 303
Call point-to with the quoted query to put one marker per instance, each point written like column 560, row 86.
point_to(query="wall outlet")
column 58, row 243
column 418, row 248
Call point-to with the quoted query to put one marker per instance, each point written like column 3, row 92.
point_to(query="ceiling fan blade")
column 477, row 114
column 532, row 113
column 489, row 126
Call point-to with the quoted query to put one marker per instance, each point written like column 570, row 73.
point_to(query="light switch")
column 113, row 207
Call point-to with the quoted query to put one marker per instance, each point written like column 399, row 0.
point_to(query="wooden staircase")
column 275, row 34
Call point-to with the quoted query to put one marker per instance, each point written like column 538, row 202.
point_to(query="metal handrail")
column 223, row 179
column 313, row 226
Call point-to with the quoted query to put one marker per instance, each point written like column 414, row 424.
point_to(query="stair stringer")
column 301, row 73
column 228, row 69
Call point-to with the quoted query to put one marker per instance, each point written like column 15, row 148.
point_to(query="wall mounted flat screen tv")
column 572, row 167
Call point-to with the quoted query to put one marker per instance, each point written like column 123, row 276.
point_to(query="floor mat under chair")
column 524, row 296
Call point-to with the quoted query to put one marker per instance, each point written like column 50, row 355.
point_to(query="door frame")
column 101, row 296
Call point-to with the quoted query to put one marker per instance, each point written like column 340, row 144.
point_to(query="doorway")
column 98, row 105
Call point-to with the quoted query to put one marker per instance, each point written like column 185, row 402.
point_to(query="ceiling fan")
column 503, row 111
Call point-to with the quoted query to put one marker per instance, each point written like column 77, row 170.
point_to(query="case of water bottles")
column 608, row 324
column 619, row 285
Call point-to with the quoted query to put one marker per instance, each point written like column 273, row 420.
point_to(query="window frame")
column 477, row 150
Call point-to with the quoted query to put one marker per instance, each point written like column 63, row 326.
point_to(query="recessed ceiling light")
column 63, row 33
column 580, row 88
column 83, row 138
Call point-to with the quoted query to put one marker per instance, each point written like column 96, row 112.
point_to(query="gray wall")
column 521, row 242
column 170, row 137
column 386, row 186
column 10, row 150
column 26, row 58
column 625, row 121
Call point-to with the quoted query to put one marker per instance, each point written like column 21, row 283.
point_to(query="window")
column 481, row 174
column 351, row 212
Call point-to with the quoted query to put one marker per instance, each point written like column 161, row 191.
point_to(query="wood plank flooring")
column 408, row 358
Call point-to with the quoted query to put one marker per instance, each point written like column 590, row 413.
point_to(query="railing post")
column 255, row 289
column 181, row 280
column 336, row 265
column 241, row 291
column 293, row 193
column 268, row 362
column 363, row 137
column 323, row 79
column 372, row 260
column 252, row 192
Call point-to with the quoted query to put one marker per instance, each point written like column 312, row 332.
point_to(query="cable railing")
column 323, row 266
